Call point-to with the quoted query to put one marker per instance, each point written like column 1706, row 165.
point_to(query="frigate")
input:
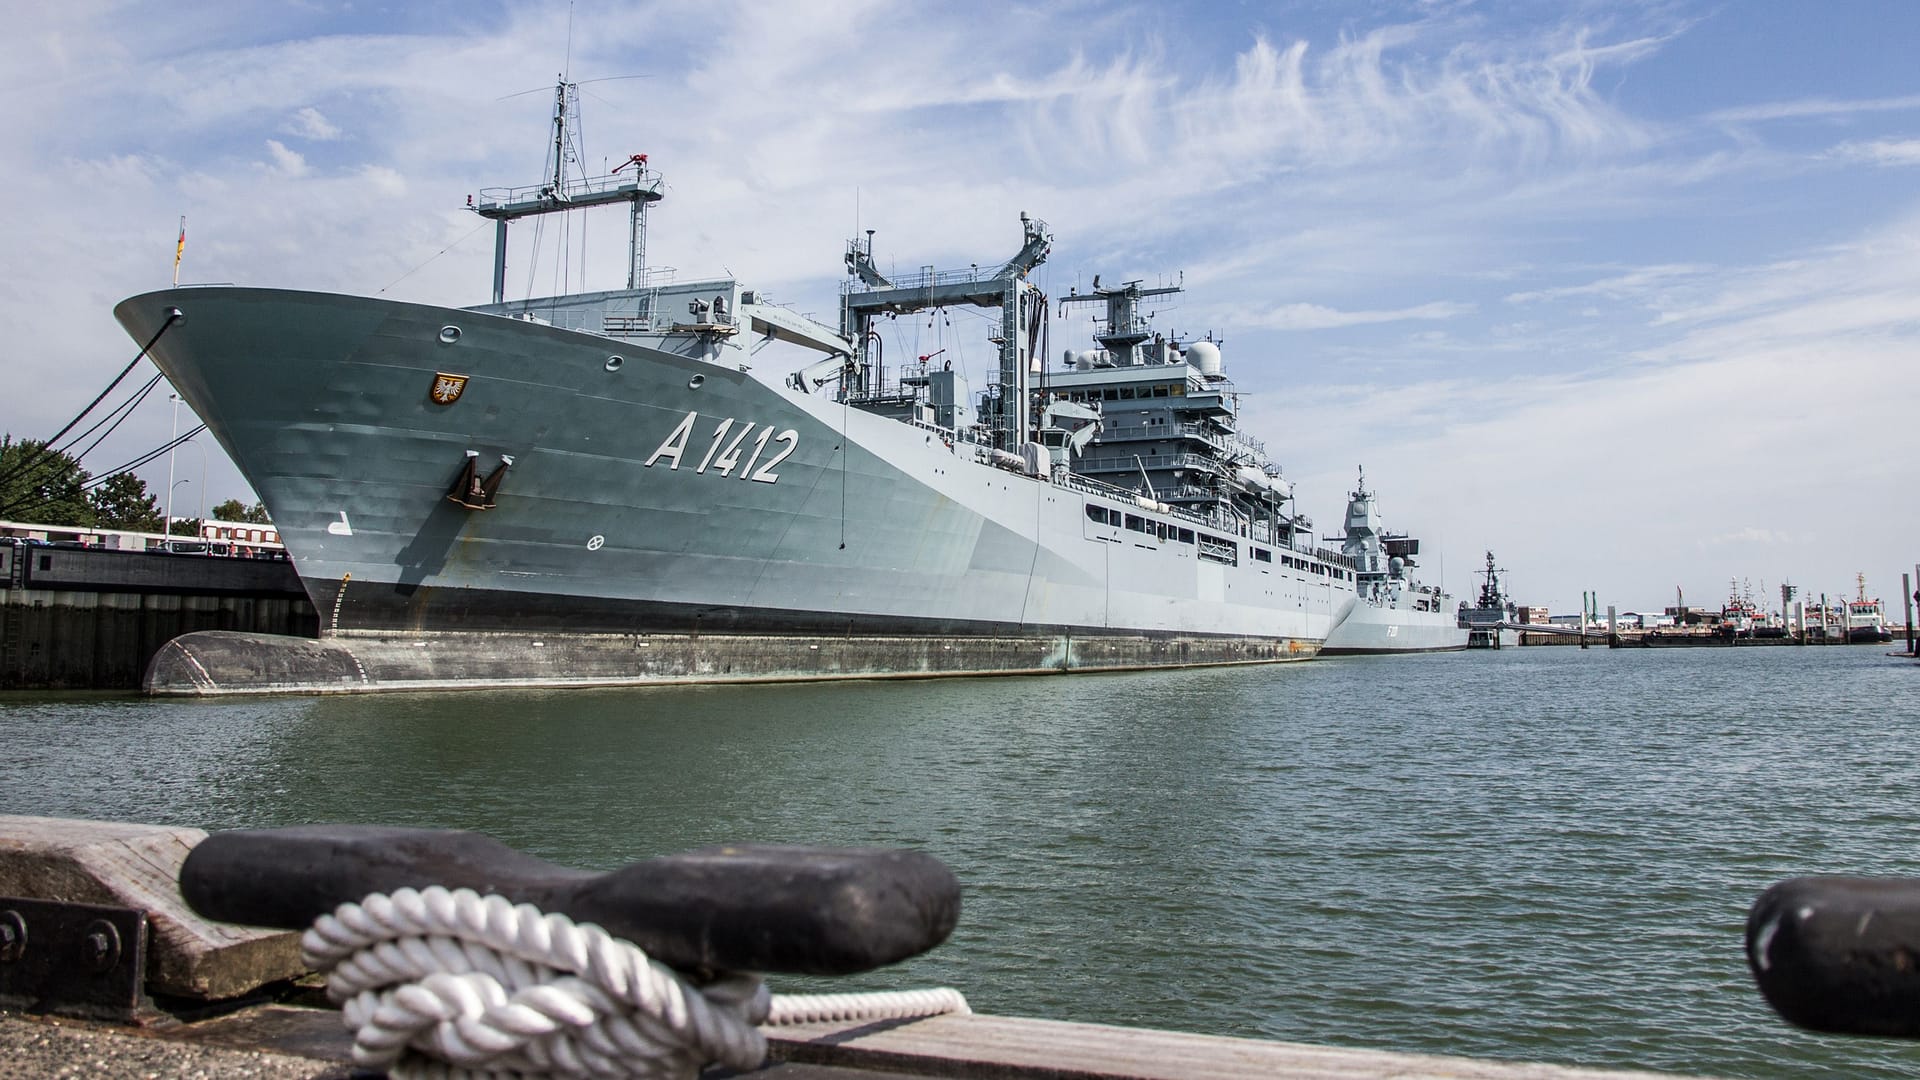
column 620, row 487
column 1395, row 613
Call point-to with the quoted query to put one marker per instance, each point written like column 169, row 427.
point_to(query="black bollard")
column 754, row 907
column 1840, row 954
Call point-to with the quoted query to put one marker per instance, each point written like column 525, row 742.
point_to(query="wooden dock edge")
column 1016, row 1048
column 123, row 865
column 298, row 1043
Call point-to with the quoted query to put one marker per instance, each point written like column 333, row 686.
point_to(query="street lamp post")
column 170, row 487
column 175, row 434
column 203, row 478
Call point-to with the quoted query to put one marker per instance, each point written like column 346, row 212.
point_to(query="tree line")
column 48, row 487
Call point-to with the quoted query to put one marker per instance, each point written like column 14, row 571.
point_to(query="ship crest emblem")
column 447, row 387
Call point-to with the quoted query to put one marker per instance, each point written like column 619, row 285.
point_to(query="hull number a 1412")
column 732, row 439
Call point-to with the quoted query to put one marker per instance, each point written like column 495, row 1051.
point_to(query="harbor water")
column 1530, row 854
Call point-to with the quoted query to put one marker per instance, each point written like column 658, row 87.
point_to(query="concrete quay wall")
column 74, row 619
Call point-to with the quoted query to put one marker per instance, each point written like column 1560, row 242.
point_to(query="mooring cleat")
column 749, row 907
column 1840, row 954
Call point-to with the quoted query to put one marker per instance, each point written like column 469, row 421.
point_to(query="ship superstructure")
column 620, row 486
column 1395, row 613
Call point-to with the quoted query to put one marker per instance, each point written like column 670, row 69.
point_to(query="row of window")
column 211, row 531
column 1135, row 523
column 1312, row 567
column 1221, row 551
column 1212, row 547
column 1127, row 393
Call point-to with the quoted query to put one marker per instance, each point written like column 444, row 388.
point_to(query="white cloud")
column 288, row 163
column 1815, row 107
column 311, row 123
column 1632, row 284
column 1748, row 536
column 1769, row 402
column 384, row 181
column 1879, row 151
column 1318, row 317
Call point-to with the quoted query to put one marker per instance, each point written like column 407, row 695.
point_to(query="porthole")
column 614, row 362
column 449, row 335
column 696, row 382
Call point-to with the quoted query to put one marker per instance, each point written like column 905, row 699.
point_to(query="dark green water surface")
column 1536, row 854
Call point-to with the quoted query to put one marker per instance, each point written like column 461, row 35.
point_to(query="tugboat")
column 1866, row 619
column 1490, row 622
column 1394, row 613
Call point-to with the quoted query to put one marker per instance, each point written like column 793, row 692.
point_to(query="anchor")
column 473, row 492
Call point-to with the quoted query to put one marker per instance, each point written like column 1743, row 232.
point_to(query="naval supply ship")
column 1395, row 613
column 619, row 487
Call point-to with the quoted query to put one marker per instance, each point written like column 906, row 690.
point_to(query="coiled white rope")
column 446, row 983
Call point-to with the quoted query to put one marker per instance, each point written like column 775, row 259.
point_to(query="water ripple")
column 1539, row 854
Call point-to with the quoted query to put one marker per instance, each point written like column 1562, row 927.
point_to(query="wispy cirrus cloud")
column 1811, row 108
column 1320, row 317
column 1747, row 536
column 1634, row 283
column 1879, row 152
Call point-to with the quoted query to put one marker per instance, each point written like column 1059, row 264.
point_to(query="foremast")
column 557, row 193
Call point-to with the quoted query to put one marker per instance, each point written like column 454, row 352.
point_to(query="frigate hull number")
column 732, row 440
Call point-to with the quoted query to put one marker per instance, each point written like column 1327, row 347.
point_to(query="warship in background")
column 622, row 487
column 1394, row 613
column 1490, row 621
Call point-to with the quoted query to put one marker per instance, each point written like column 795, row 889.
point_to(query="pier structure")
column 84, row 618
column 160, row 990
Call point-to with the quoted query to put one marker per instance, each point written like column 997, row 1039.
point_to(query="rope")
column 173, row 314
column 450, row 984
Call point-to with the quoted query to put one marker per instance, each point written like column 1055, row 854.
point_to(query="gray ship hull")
column 1374, row 629
column 660, row 488
column 1489, row 635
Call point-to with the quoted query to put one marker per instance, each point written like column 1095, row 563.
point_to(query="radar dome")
column 1204, row 355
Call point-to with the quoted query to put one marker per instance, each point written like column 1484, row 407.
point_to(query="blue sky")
column 1627, row 292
